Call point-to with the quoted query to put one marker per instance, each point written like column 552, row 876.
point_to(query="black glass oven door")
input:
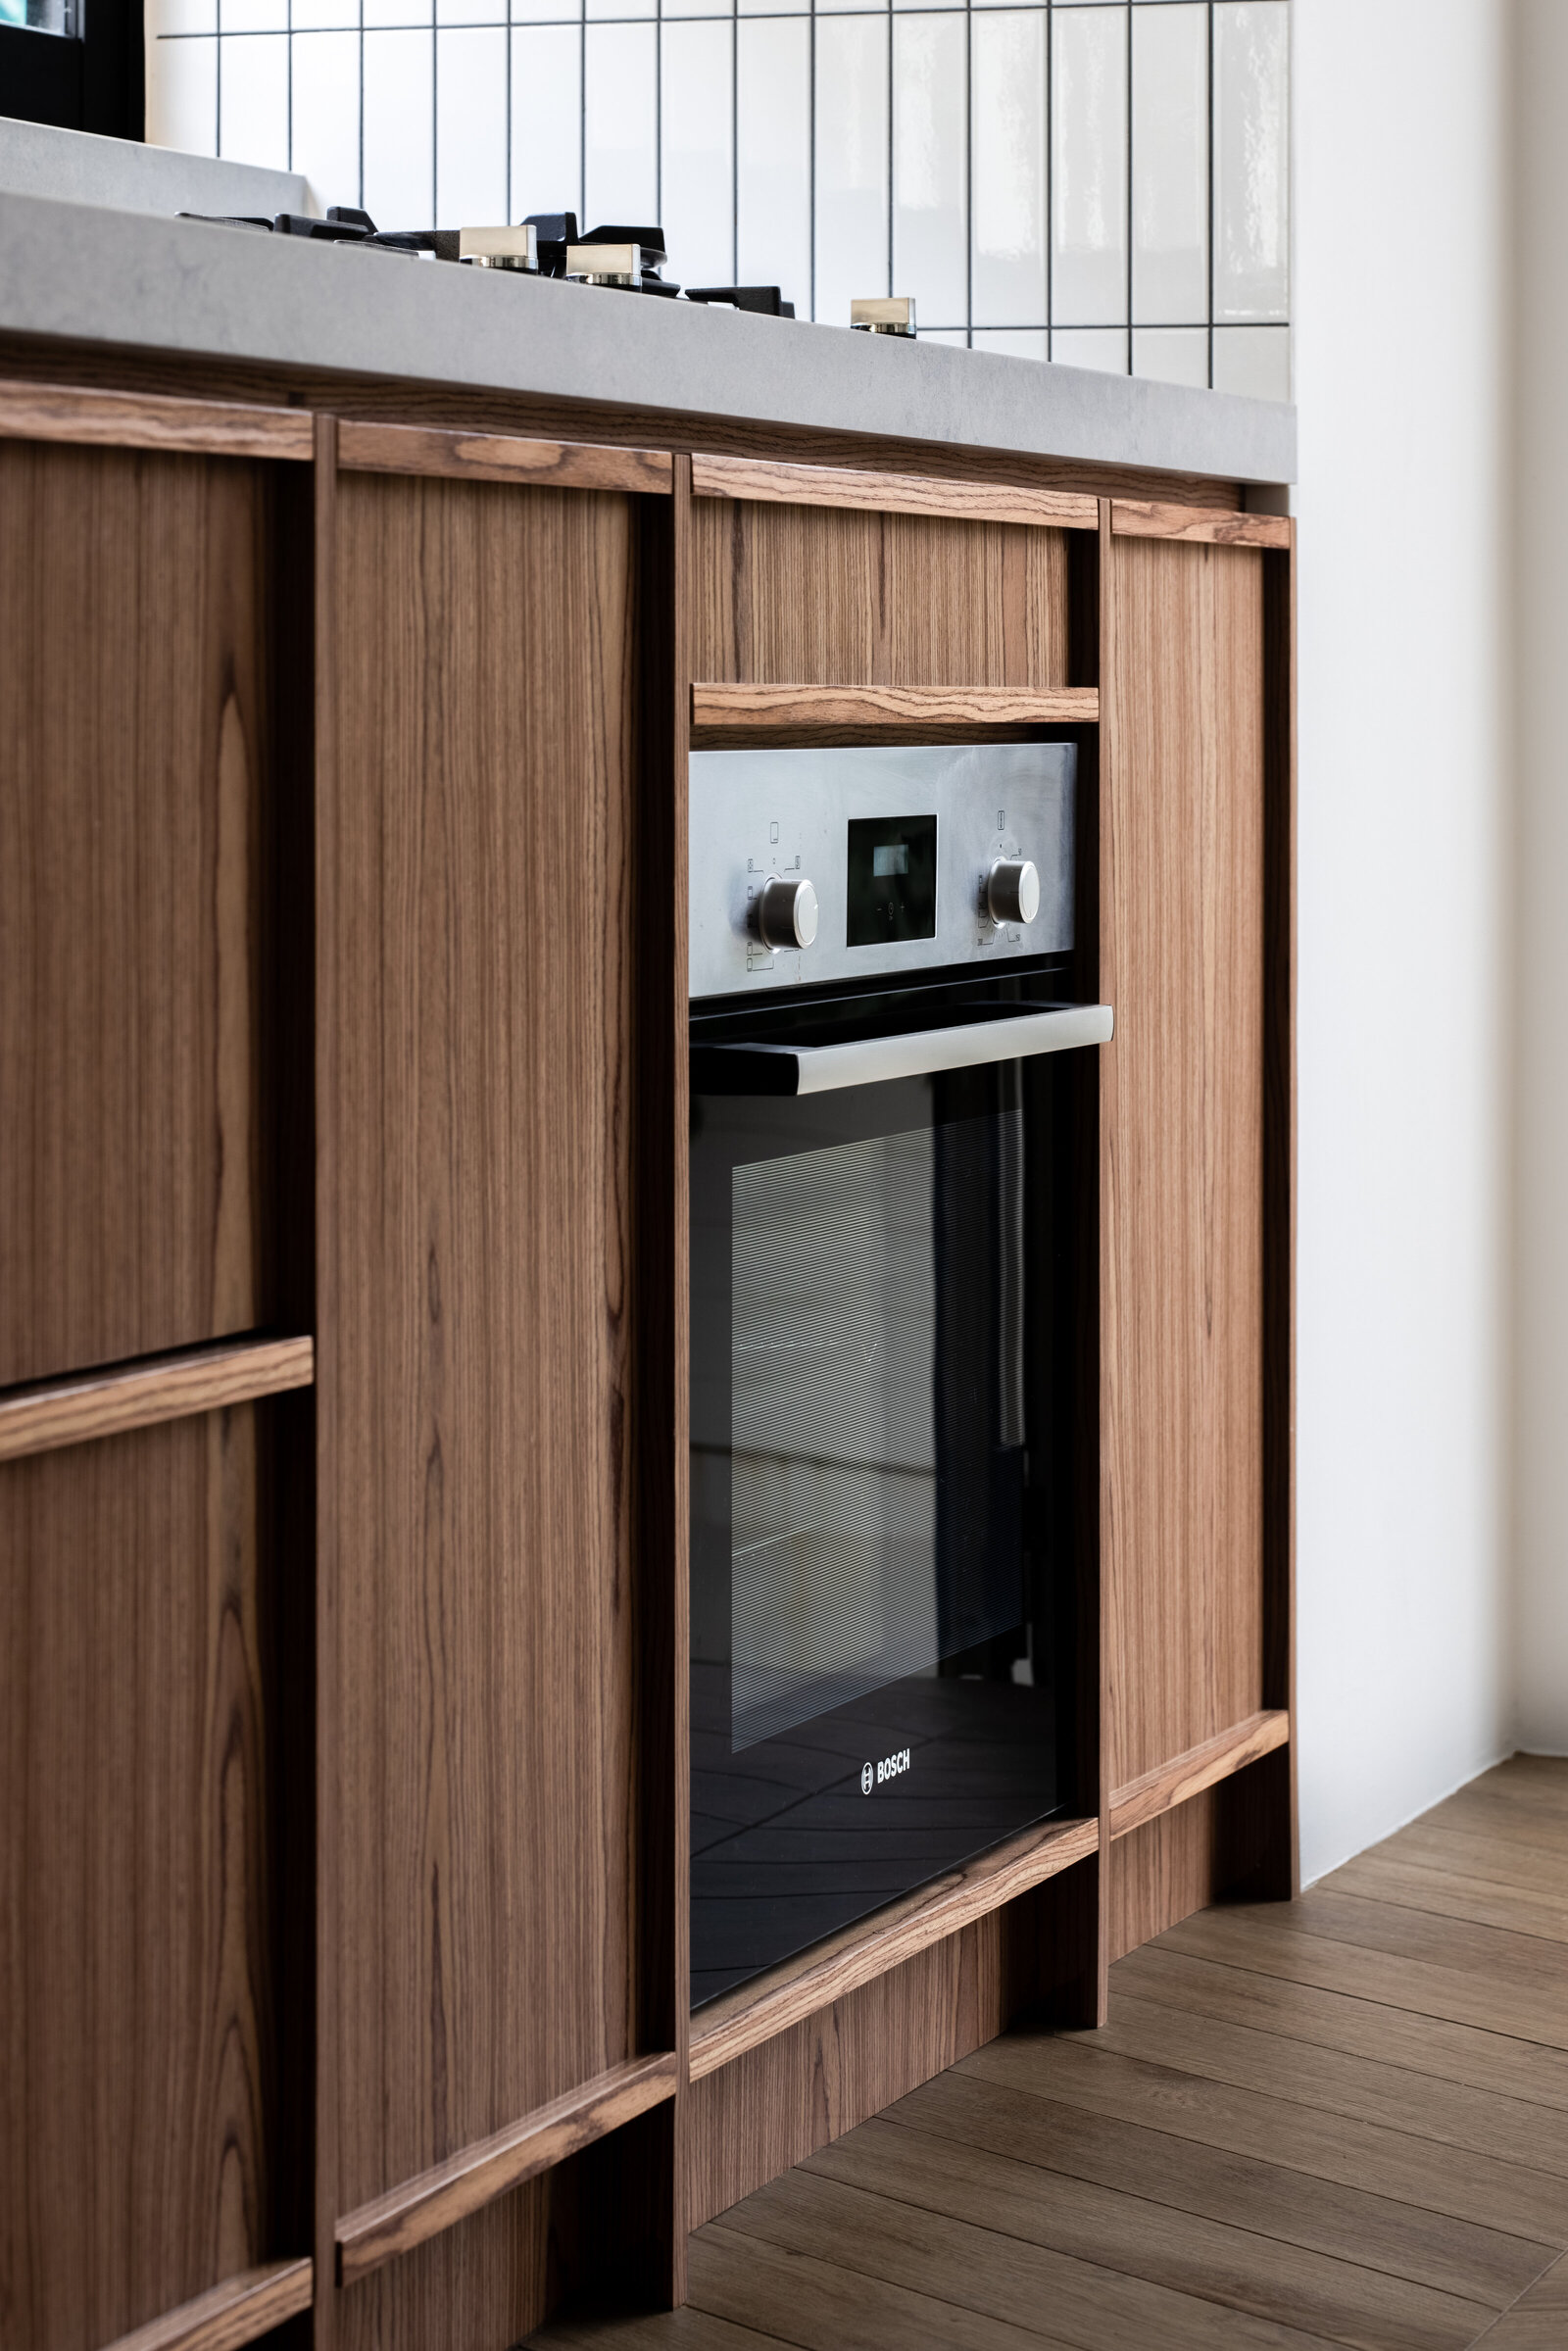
column 881, row 1282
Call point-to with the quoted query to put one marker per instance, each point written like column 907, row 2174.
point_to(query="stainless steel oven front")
column 891, row 1180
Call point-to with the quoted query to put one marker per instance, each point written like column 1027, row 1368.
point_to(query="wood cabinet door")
column 1182, row 1146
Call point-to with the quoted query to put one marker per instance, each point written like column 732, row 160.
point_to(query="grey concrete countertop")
column 90, row 273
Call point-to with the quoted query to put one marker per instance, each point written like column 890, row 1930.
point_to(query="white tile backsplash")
column 852, row 162
column 471, row 125
column 1103, row 348
column 1007, row 165
column 326, row 112
column 1254, row 360
column 773, row 147
column 400, row 129
column 698, row 207
column 1089, row 165
column 1252, row 180
column 546, row 120
column 253, row 100
column 1071, row 163
column 621, row 116
column 930, row 224
column 1170, row 163
column 1172, row 354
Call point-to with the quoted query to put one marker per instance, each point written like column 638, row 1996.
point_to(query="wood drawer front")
column 474, row 1349
column 144, row 2153
column 138, row 788
column 1182, row 1147
column 800, row 595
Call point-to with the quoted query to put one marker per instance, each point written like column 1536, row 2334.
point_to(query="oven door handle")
column 870, row 1061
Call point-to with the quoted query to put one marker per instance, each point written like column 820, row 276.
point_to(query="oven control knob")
column 786, row 912
column 1013, row 893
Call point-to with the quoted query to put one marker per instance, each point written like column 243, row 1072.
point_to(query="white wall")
column 1541, row 1232
column 1402, row 319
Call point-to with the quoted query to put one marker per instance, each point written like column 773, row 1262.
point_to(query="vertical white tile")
column 1089, row 165
column 955, row 338
column 1007, row 165
column 163, row 17
column 255, row 16
column 622, row 127
column 621, row 8
column 326, row 114
column 697, row 198
column 1013, row 342
column 566, row 10
column 546, row 120
column 400, row 129
column 321, row 16
column 1171, row 355
column 930, row 228
column 1254, row 360
column 852, row 162
column 471, row 127
column 182, row 94
column 380, row 15
column 469, row 12
column 252, row 107
column 1170, row 163
column 1103, row 348
column 1251, row 159
column 773, row 148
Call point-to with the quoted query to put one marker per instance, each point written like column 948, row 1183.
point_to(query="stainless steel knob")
column 1013, row 893
column 786, row 912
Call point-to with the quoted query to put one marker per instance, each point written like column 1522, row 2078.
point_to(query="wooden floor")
column 1341, row 2121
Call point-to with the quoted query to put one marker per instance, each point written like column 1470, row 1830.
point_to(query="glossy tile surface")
column 1089, row 167
column 1170, row 163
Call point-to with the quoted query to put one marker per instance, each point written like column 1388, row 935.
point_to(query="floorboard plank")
column 826, row 2306
column 1488, row 1860
column 691, row 2329
column 1496, row 1815
column 1358, row 2086
column 1336, row 2020
column 1248, row 1936
column 1485, row 2266
column 1209, row 2260
column 1448, row 1893
column 1389, row 2163
column 1092, row 2308
column 1493, row 1953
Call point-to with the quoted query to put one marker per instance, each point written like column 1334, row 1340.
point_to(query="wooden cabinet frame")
column 622, row 2163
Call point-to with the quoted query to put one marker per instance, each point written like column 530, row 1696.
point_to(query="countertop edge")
column 82, row 274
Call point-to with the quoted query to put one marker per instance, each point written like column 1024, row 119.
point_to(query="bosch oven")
column 890, row 1131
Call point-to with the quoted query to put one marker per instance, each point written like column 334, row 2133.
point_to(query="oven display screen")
column 893, row 880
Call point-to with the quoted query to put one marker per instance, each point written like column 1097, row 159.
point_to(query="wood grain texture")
column 475, row 1343
column 1149, row 519
column 424, row 2207
column 103, row 420
column 209, row 1379
column 1169, row 1783
column 1238, row 2162
column 786, row 1996
column 136, row 793
column 469, row 407
column 500, row 457
column 890, row 493
column 138, row 2043
column 758, row 709
column 1182, row 1147
column 809, row 595
column 237, row 2312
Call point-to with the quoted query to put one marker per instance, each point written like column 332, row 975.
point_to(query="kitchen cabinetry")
column 342, row 1408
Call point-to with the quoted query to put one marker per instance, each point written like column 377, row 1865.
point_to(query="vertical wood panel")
column 138, row 2105
column 134, row 748
column 804, row 595
column 474, row 1372
column 1182, row 1140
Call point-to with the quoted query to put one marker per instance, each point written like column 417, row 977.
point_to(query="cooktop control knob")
column 786, row 912
column 1013, row 893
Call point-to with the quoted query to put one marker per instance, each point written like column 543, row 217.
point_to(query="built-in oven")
column 891, row 1181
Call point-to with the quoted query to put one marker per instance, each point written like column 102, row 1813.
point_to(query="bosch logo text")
column 872, row 1775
